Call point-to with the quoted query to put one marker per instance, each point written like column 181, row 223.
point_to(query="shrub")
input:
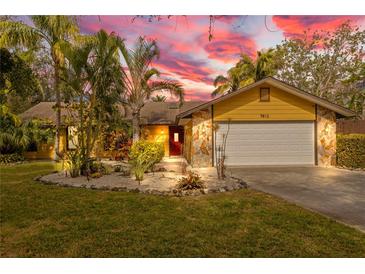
column 96, row 175
column 191, row 182
column 144, row 155
column 11, row 158
column 117, row 169
column 73, row 162
column 16, row 137
column 351, row 150
column 96, row 168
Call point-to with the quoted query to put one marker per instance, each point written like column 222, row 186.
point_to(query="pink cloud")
column 227, row 46
column 293, row 26
column 189, row 69
column 186, row 53
column 228, row 19
column 195, row 95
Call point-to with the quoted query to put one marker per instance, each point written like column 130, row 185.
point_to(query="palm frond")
column 56, row 27
column 173, row 87
column 16, row 33
column 220, row 90
column 220, row 79
column 150, row 73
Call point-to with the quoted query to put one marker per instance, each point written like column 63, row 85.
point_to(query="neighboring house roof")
column 151, row 113
column 154, row 113
column 44, row 111
column 278, row 84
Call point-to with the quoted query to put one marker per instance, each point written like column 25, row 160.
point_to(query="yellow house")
column 157, row 124
column 266, row 123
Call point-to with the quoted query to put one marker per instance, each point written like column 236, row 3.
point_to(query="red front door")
column 176, row 140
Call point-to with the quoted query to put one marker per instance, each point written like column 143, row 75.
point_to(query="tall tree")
column 327, row 64
column 93, row 74
column 141, row 79
column 16, row 80
column 245, row 72
column 265, row 64
column 46, row 31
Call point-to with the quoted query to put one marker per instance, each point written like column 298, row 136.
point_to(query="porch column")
column 201, row 154
column 326, row 137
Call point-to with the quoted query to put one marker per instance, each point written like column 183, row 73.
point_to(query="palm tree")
column 13, row 139
column 265, row 65
column 159, row 98
column 15, row 135
column 245, row 72
column 49, row 31
column 140, row 80
column 105, row 79
column 93, row 73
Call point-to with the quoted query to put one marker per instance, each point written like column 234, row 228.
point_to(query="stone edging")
column 240, row 184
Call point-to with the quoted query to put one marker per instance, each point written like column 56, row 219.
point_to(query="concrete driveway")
column 337, row 193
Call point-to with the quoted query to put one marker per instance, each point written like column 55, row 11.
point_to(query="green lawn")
column 49, row 221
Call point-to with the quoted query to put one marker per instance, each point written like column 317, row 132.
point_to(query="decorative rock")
column 161, row 183
column 160, row 169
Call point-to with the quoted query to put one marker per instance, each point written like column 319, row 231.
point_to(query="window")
column 71, row 138
column 176, row 137
column 264, row 94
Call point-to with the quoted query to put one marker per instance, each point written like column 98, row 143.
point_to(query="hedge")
column 11, row 158
column 351, row 150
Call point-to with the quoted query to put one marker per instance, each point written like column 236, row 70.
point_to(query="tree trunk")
column 89, row 134
column 58, row 110
column 135, row 125
column 81, row 130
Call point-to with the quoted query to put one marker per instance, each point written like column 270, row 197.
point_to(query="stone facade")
column 202, row 149
column 188, row 131
column 326, row 137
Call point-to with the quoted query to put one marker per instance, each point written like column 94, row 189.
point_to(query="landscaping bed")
column 158, row 183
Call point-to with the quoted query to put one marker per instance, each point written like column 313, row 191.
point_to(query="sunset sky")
column 188, row 56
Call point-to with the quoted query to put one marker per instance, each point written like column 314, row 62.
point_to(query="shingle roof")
column 151, row 113
column 164, row 112
column 44, row 111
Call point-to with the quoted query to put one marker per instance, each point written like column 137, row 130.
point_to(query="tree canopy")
column 16, row 79
column 245, row 72
column 327, row 64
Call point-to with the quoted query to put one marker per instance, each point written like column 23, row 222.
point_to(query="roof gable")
column 278, row 84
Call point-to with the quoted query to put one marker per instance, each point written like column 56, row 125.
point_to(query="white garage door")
column 268, row 143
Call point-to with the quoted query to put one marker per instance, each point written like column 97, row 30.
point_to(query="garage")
column 270, row 123
column 268, row 143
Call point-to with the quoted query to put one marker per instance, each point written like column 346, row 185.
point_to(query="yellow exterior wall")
column 46, row 151
column 158, row 133
column 247, row 107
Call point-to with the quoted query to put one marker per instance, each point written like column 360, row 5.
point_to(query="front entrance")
column 176, row 140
